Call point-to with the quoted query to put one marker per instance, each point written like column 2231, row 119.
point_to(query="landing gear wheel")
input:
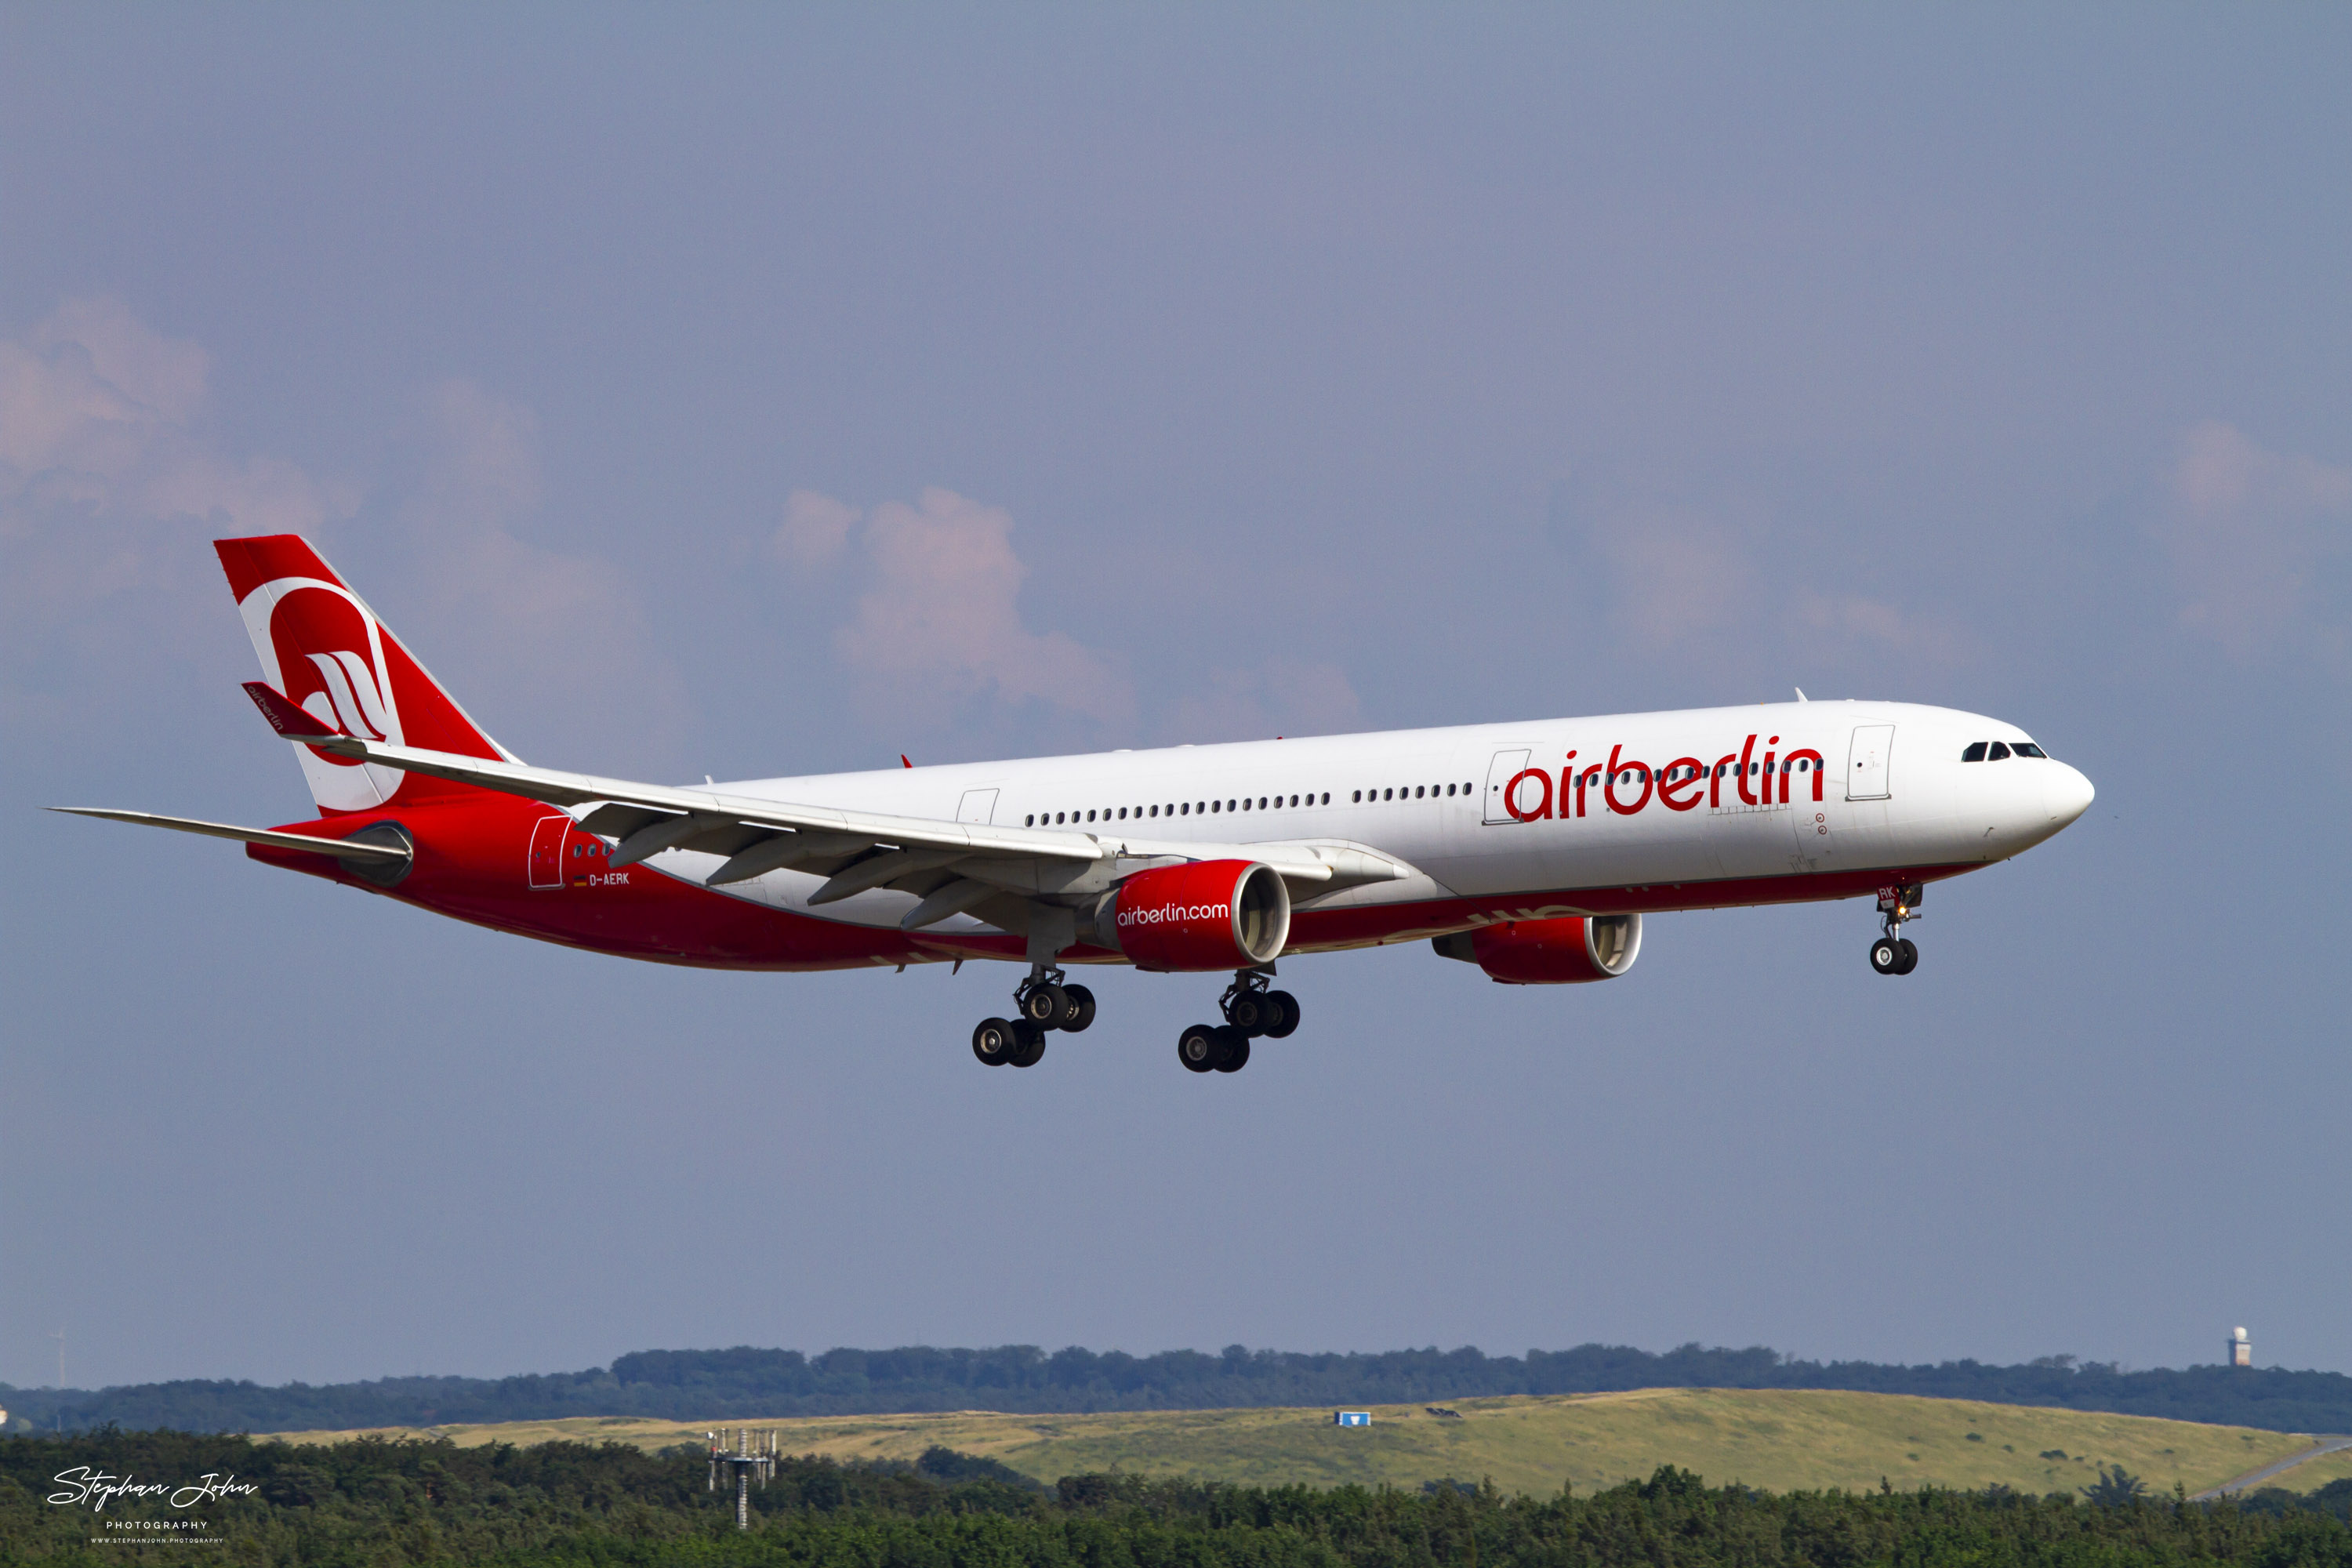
column 1248, row 1013
column 1045, row 1006
column 1199, row 1047
column 1081, row 1010
column 1886, row 956
column 993, row 1042
column 1282, row 1009
column 1236, row 1056
column 1909, row 960
column 1029, row 1044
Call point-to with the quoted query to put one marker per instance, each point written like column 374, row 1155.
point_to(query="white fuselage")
column 1531, row 810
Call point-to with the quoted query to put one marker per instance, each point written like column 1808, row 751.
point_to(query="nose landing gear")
column 1043, row 1003
column 1893, row 952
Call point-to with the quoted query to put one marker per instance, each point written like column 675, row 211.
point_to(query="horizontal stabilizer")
column 283, row 717
column 342, row 850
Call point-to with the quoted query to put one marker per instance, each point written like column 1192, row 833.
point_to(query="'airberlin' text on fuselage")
column 1682, row 785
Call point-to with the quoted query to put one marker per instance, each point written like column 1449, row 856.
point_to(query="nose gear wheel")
column 1893, row 952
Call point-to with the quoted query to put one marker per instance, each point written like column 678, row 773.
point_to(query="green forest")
column 378, row 1503
column 698, row 1385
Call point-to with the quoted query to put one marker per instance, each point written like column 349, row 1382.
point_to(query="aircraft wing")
column 855, row 850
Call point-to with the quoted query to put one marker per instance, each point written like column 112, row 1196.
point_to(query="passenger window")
column 1997, row 754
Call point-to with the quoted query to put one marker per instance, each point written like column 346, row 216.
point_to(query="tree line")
column 748, row 1381
column 387, row 1503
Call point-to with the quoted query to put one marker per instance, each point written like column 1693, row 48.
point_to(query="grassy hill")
column 1777, row 1439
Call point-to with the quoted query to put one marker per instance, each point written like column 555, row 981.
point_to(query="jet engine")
column 1560, row 951
column 1211, row 914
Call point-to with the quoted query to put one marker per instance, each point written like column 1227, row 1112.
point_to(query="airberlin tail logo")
column 348, row 696
column 321, row 648
column 331, row 658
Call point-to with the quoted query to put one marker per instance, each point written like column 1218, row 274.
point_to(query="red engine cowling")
column 1561, row 951
column 1212, row 914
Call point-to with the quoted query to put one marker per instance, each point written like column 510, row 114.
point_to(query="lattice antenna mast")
column 748, row 1454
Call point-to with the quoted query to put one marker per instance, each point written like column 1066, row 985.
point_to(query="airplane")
column 1529, row 850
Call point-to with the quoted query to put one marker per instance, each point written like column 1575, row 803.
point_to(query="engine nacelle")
column 1211, row 914
column 1561, row 951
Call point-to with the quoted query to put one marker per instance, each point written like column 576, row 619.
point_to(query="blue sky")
column 749, row 390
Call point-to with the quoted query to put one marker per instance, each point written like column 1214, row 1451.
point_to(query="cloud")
column 939, row 616
column 555, row 642
column 102, row 452
column 97, row 420
column 166, row 374
column 815, row 530
column 1677, row 576
column 108, row 488
column 2258, row 542
column 1718, row 586
column 1849, row 626
column 1285, row 698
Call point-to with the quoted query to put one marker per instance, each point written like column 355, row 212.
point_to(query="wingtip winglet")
column 283, row 717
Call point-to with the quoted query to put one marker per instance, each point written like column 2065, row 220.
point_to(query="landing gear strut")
column 1041, row 1002
column 1893, row 952
column 1252, row 1011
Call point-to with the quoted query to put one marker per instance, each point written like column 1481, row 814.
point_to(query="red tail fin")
column 322, row 647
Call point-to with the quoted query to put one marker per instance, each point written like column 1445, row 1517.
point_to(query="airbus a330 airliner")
column 1530, row 850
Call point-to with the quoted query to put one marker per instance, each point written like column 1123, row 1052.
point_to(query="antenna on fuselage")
column 1801, row 694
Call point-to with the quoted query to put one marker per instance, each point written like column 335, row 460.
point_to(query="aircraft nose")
column 2068, row 793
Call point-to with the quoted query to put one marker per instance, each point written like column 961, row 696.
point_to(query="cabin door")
column 978, row 806
column 1506, row 766
column 1869, row 763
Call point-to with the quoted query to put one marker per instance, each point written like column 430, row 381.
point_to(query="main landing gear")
column 1251, row 1011
column 1893, row 952
column 1043, row 1003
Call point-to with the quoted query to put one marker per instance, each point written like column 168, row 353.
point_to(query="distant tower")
column 753, row 1454
column 2241, row 1348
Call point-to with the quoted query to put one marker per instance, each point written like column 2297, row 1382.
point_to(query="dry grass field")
column 1776, row 1439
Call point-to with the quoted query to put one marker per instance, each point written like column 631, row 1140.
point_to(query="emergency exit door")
column 978, row 806
column 547, row 851
column 1869, row 763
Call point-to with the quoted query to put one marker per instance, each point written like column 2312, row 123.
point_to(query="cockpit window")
column 2000, row 752
column 2028, row 748
column 1975, row 753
